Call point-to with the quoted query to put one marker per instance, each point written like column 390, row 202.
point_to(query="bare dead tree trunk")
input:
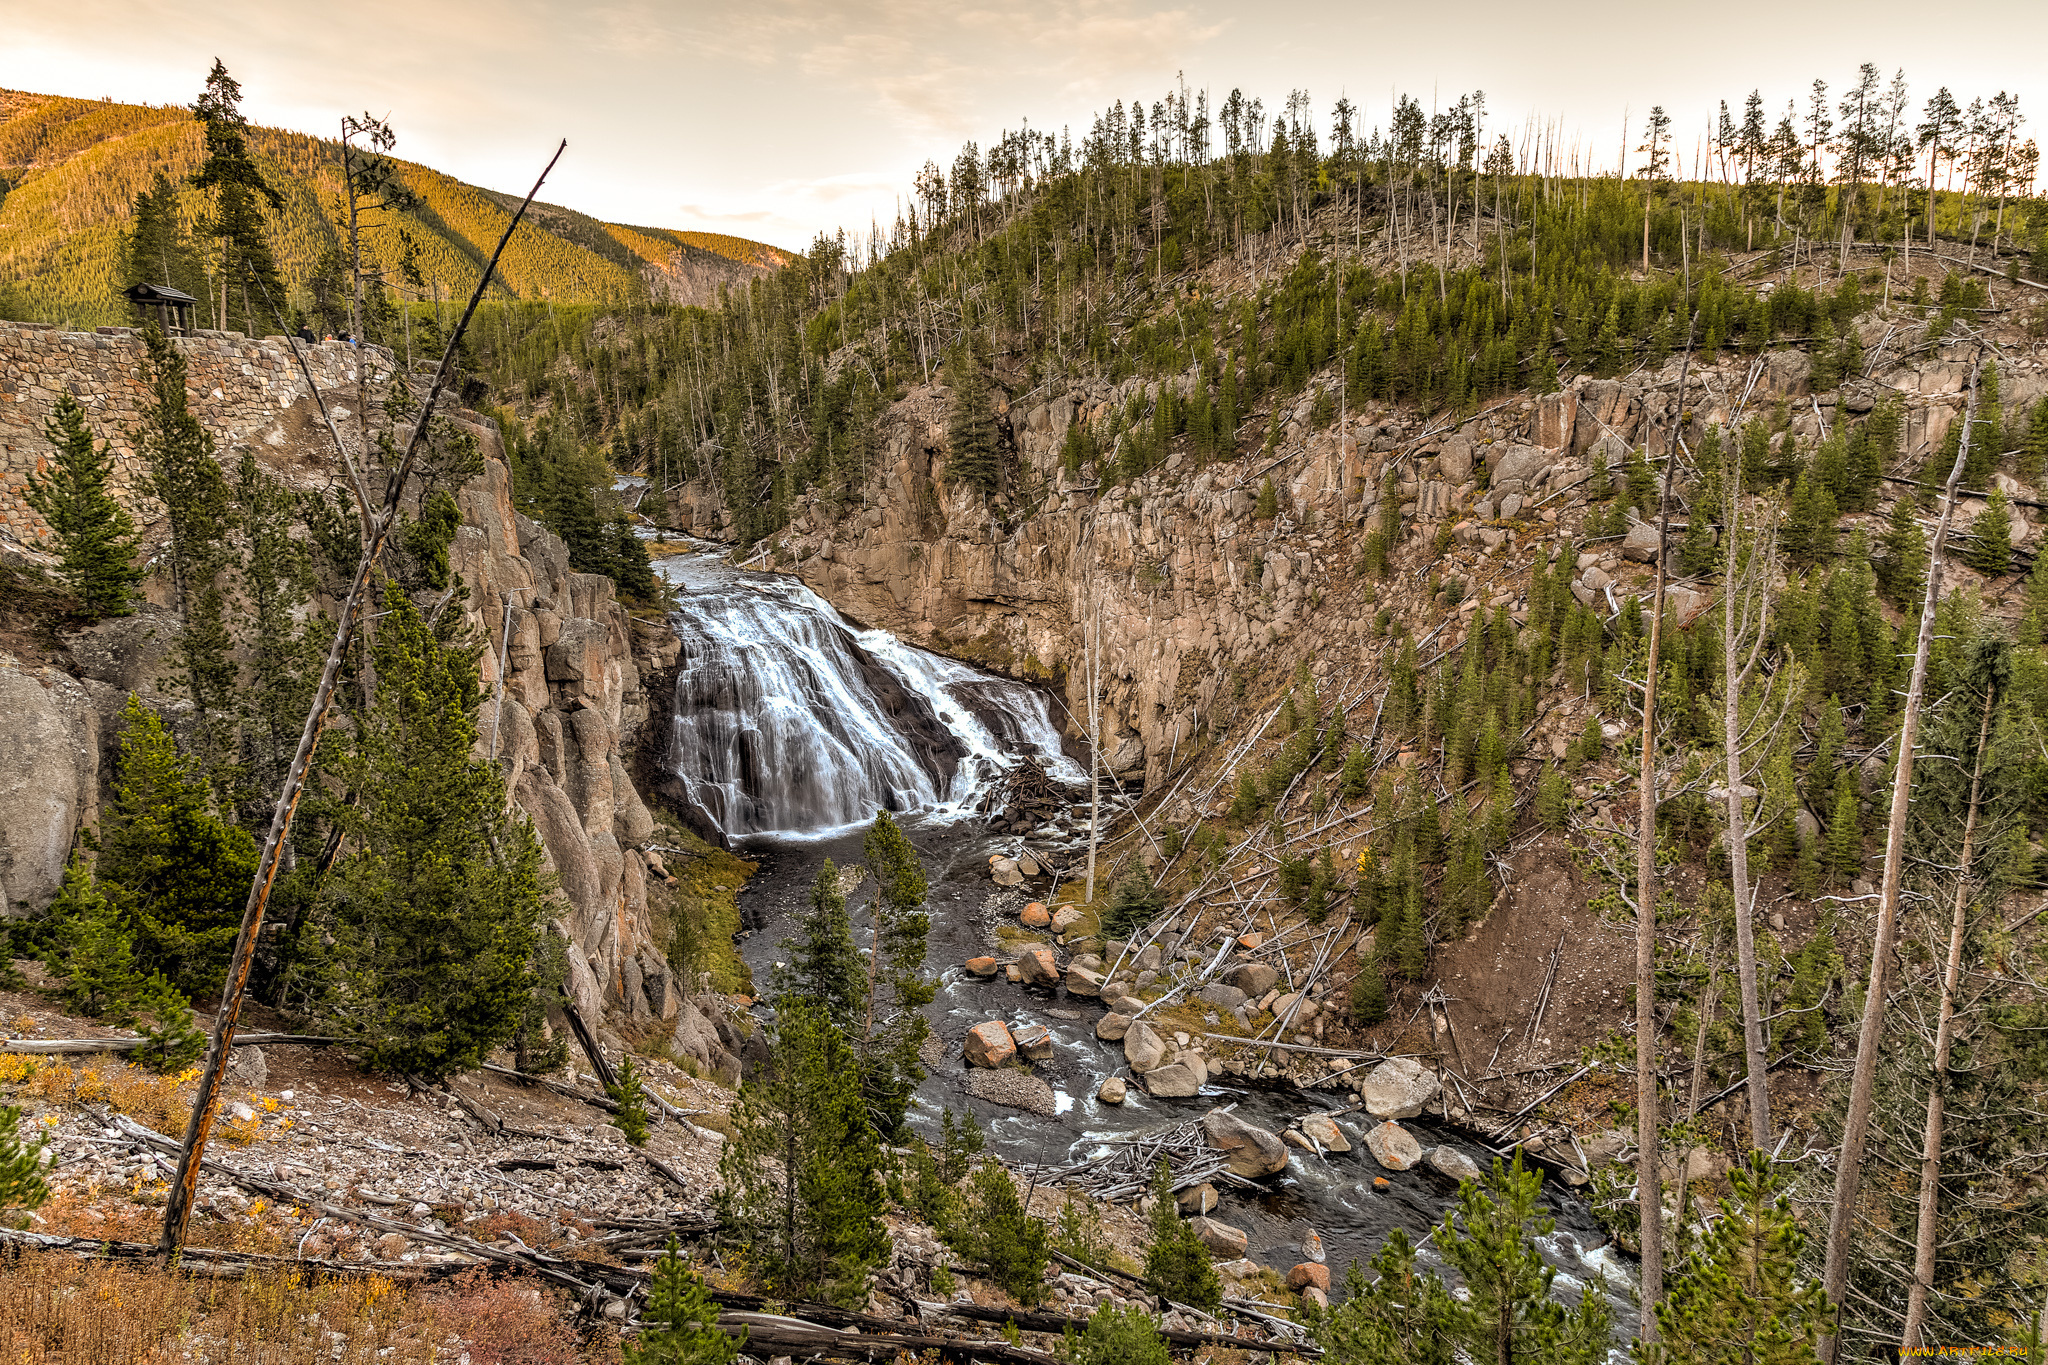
column 1649, row 1193
column 1751, row 583
column 1937, row 1086
column 1863, row 1078
column 178, row 1209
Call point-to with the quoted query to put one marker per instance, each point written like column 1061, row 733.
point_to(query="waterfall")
column 788, row 720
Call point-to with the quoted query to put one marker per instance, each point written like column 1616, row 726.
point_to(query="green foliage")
column 1357, row 775
column 1269, row 501
column 1738, row 1297
column 1399, row 1317
column 1369, row 995
column 895, row 1029
column 1135, row 902
column 1508, row 1314
column 824, row 967
column 971, row 432
column 679, row 1325
column 631, row 1095
column 95, row 536
column 178, row 871
column 90, row 948
column 996, row 1231
column 22, row 1188
column 1176, row 1262
column 427, row 923
column 1553, row 799
column 1990, row 548
column 800, row 1189
column 1118, row 1336
column 174, row 1043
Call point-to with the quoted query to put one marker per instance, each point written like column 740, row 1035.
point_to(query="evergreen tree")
column 997, row 1232
column 1369, row 995
column 1904, row 555
column 800, row 1188
column 285, row 655
column 179, row 872
column 679, row 1326
column 1990, row 551
column 1402, row 1316
column 1845, row 835
column 174, row 1043
column 22, row 1188
column 95, row 537
column 630, row 1093
column 972, row 435
column 1269, row 500
column 434, row 910
column 1176, row 1262
column 895, row 1029
column 185, row 477
column 156, row 249
column 1118, row 1336
column 245, row 277
column 1357, row 775
column 1553, row 799
column 1508, row 1314
column 90, row 949
column 1737, row 1298
column 1134, row 903
column 824, row 967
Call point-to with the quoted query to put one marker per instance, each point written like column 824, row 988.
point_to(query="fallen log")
column 62, row 1047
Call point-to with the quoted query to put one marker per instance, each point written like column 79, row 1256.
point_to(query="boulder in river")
column 1027, row 864
column 1253, row 1151
column 1143, row 1048
column 1196, row 1199
column 1112, row 1027
column 1221, row 1238
column 1399, row 1088
column 1035, row 966
column 989, row 1044
column 1324, row 1130
column 983, row 966
column 1393, row 1146
column 1034, row 1041
column 1111, row 1091
column 1006, row 872
column 1174, row 1081
column 1081, row 981
column 1454, row 1163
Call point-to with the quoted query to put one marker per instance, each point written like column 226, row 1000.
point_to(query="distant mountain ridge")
column 70, row 170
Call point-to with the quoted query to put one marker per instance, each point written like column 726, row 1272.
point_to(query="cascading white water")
column 789, row 721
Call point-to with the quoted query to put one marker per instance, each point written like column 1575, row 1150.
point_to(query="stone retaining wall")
column 243, row 391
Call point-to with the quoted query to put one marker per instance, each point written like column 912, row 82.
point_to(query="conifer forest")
column 1296, row 731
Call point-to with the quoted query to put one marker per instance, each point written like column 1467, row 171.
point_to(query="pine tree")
column 22, row 1188
column 1508, row 1314
column 434, row 910
column 244, row 268
column 1118, row 1336
column 90, row 947
column 1845, row 835
column 679, row 1326
column 1553, row 799
column 1369, row 995
column 1990, row 552
column 174, row 1042
column 1402, row 1316
column 1008, row 1242
column 1357, row 774
column 895, row 1028
column 1904, row 557
column 156, row 251
column 95, row 537
column 630, row 1093
column 183, row 475
column 972, row 457
column 1269, row 500
column 1176, row 1262
column 1737, row 1298
column 824, row 967
column 800, row 1188
column 178, row 871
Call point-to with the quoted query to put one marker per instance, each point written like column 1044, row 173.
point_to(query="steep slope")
column 70, row 170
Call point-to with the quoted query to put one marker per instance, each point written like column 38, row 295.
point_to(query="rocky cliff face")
column 1191, row 587
column 563, row 664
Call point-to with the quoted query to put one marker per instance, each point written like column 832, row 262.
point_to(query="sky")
column 779, row 119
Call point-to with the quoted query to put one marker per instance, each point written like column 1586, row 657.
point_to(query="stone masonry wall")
column 244, row 391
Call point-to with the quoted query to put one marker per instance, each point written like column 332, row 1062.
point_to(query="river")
column 793, row 726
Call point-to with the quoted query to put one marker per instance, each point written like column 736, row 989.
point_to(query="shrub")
column 1118, row 1336
column 21, row 1167
column 1009, row 1243
column 682, row 1321
column 1177, row 1263
column 631, row 1095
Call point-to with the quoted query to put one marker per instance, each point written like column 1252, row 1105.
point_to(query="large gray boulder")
column 1144, row 1049
column 1174, row 1081
column 1221, row 1238
column 1399, row 1088
column 1254, row 979
column 1253, row 1151
column 1393, row 1146
column 1517, row 468
column 49, row 779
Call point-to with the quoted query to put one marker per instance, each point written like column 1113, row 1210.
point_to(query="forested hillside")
column 1456, row 409
column 72, row 169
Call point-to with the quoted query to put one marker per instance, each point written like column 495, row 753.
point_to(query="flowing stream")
column 793, row 726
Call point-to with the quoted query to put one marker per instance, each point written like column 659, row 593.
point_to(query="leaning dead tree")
column 206, row 1104
column 1863, row 1077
